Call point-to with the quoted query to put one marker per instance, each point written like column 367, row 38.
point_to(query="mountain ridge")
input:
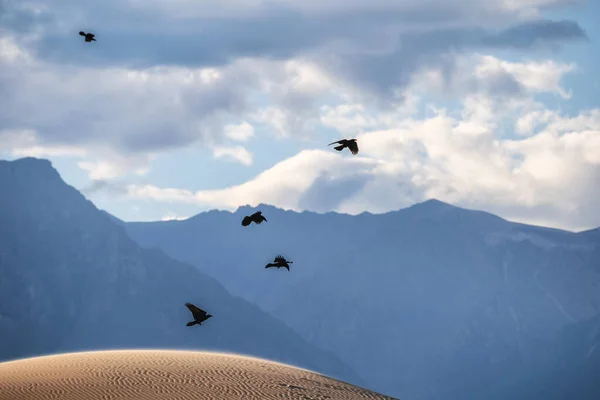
column 431, row 283
column 429, row 206
column 72, row 279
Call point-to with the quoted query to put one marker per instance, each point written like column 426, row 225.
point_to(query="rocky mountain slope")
column 72, row 279
column 444, row 300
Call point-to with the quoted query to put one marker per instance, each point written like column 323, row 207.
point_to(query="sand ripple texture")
column 166, row 374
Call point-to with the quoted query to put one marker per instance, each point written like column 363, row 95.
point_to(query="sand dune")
column 166, row 374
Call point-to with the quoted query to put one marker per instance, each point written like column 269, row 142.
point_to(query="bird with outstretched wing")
column 199, row 314
column 279, row 262
column 257, row 218
column 343, row 143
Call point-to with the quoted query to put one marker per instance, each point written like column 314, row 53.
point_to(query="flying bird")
column 279, row 262
column 349, row 143
column 199, row 315
column 257, row 218
column 88, row 36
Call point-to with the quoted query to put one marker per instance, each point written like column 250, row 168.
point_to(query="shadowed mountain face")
column 445, row 301
column 573, row 375
column 72, row 279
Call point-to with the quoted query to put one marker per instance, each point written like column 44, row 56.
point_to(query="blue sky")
column 183, row 106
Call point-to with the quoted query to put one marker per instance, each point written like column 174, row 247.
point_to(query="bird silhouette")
column 199, row 315
column 279, row 262
column 88, row 36
column 257, row 218
column 349, row 143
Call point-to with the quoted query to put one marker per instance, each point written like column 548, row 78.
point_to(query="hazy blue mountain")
column 72, row 279
column 446, row 302
column 573, row 375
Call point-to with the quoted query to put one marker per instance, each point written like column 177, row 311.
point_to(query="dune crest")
column 166, row 374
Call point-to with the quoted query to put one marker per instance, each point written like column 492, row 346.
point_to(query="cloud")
column 375, row 44
column 240, row 133
column 133, row 111
column 171, row 216
column 139, row 90
column 328, row 191
column 273, row 186
column 25, row 143
column 102, row 170
column 110, row 188
column 548, row 176
column 217, row 70
column 128, row 116
column 237, row 153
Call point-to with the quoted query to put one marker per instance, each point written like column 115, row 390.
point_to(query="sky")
column 183, row 106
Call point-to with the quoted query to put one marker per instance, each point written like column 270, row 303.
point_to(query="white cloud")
column 25, row 143
column 117, row 107
column 237, row 153
column 535, row 76
column 126, row 116
column 161, row 194
column 317, row 8
column 543, row 177
column 109, row 165
column 282, row 185
column 494, row 77
column 10, row 52
column 527, row 123
column 240, row 133
column 171, row 216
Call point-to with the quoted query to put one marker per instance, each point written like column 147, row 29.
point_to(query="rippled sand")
column 166, row 374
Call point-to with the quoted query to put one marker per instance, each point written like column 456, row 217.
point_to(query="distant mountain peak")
column 31, row 167
column 30, row 162
column 261, row 206
column 434, row 203
column 432, row 206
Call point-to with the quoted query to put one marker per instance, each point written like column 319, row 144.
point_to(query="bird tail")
column 192, row 323
column 246, row 221
column 94, row 39
column 339, row 148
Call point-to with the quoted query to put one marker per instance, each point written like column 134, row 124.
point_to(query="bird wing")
column 353, row 146
column 197, row 313
column 246, row 221
column 279, row 259
column 82, row 33
column 342, row 141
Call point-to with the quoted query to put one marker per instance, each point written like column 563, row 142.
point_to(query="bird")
column 257, row 218
column 199, row 315
column 88, row 36
column 349, row 143
column 279, row 262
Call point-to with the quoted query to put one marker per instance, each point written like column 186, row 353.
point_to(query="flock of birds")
column 279, row 261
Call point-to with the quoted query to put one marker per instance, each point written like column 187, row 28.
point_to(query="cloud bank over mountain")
column 459, row 100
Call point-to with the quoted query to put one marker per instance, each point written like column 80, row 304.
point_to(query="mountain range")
column 71, row 279
column 444, row 300
column 425, row 303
